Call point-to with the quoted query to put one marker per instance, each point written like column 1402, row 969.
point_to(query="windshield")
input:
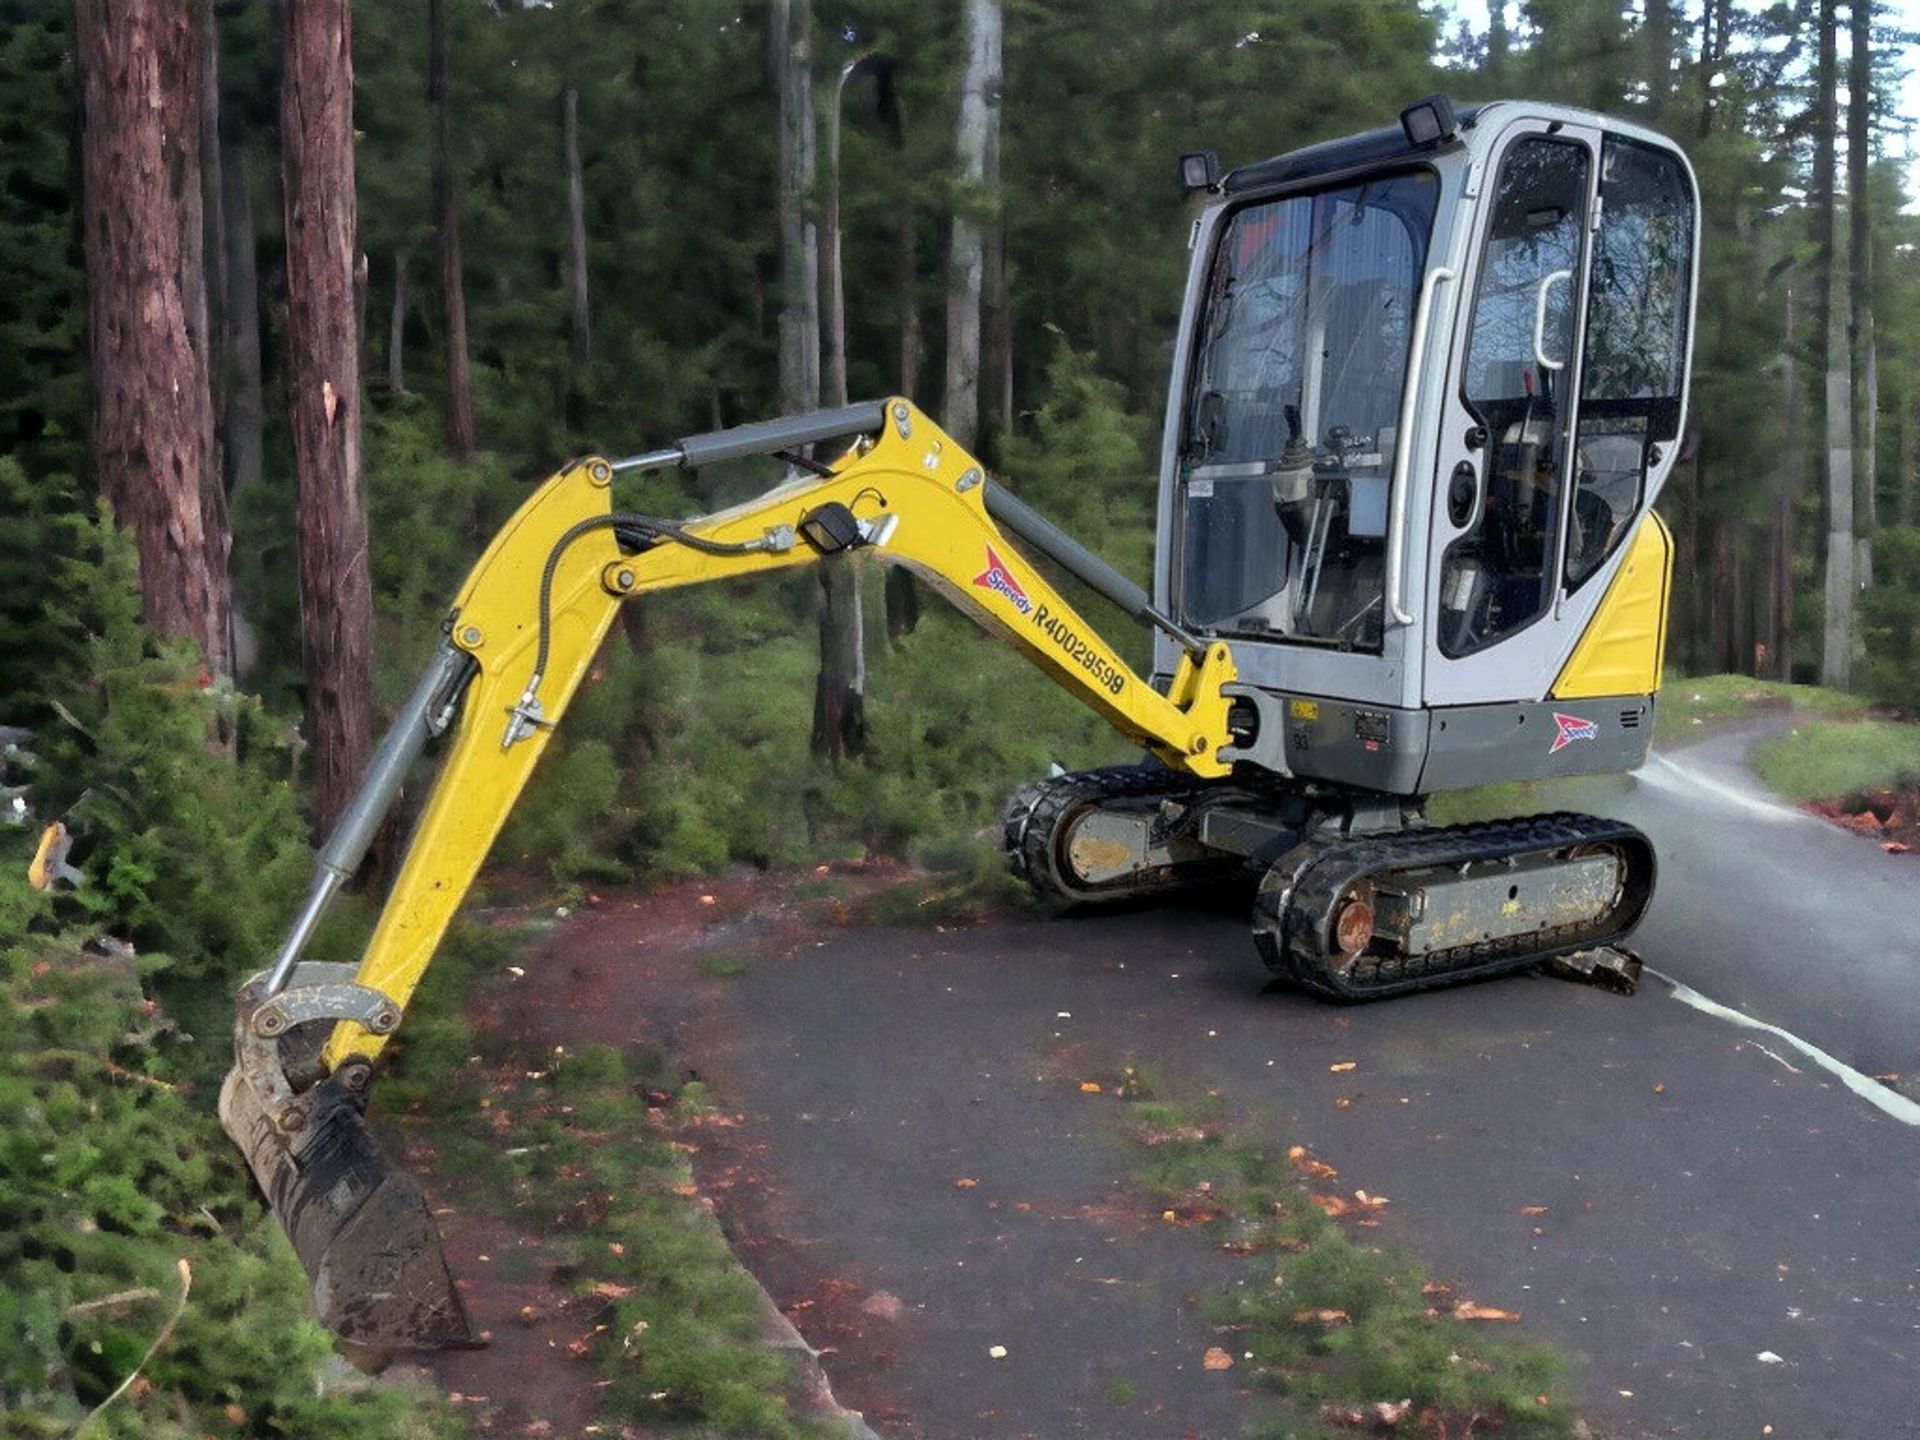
column 1290, row 415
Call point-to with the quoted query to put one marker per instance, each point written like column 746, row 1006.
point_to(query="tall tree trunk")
column 979, row 114
column 1836, row 650
column 203, row 280
column 1907, row 502
column 906, row 285
column 1866, row 514
column 153, row 440
column 996, row 304
column 244, row 421
column 1658, row 31
column 902, row 594
column 1741, row 595
column 1688, row 623
column 1792, row 474
column 397, row 327
column 840, row 690
column 446, row 220
column 1716, row 40
column 323, row 269
column 246, row 409
column 1720, row 642
column 839, row 702
column 799, row 319
column 1499, row 42
column 1862, row 347
column 213, row 227
column 902, row 597
column 1780, row 591
column 831, row 262
column 582, row 336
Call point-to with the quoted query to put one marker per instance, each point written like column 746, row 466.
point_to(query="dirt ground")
column 668, row 956
column 1890, row 815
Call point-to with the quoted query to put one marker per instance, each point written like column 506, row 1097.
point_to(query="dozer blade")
column 358, row 1222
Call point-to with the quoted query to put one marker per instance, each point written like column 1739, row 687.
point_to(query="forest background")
column 243, row 463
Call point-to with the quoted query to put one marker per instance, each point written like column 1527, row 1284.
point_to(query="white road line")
column 1753, row 804
column 1865, row 1086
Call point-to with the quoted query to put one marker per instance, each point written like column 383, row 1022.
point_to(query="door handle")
column 1540, row 321
column 1403, row 447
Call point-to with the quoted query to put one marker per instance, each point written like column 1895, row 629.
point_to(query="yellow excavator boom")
column 519, row 640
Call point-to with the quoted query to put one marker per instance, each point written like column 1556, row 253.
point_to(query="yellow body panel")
column 913, row 471
column 1622, row 651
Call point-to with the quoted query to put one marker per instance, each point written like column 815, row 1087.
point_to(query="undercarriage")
column 1358, row 897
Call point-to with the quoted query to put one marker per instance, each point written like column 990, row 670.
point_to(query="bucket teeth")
column 359, row 1223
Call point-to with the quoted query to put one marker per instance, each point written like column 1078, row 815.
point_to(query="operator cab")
column 1429, row 383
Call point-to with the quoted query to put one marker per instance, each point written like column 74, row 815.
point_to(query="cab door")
column 1509, row 421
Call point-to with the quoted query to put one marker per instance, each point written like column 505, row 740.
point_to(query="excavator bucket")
column 359, row 1223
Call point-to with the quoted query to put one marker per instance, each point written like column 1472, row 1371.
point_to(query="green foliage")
column 189, row 852
column 1890, row 619
column 66, row 587
column 42, row 320
column 113, row 1172
column 428, row 519
column 1083, row 460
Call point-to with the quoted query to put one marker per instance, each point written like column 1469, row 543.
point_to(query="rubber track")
column 1038, row 810
column 1293, row 912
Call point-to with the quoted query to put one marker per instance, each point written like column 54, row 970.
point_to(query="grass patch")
column 589, row 1152
column 1329, row 1321
column 1831, row 759
column 723, row 967
column 1692, row 707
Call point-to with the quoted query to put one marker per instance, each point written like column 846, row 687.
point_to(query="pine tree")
column 446, row 221
column 325, row 271
column 976, row 204
column 1836, row 650
column 153, row 430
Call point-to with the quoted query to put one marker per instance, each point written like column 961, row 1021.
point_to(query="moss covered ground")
column 1344, row 1332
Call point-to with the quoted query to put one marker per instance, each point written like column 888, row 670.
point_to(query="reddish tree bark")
column 153, row 430
column 446, row 219
column 336, row 596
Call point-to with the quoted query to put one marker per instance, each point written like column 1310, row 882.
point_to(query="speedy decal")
column 1103, row 670
column 1571, row 728
column 997, row 578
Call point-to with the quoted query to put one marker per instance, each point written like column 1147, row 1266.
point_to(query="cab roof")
column 1331, row 157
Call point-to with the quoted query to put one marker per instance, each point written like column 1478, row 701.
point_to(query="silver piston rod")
column 1073, row 557
column 424, row 714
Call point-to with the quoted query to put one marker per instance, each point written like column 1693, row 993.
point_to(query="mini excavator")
column 1428, row 384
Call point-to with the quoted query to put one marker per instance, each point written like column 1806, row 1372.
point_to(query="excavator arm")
column 518, row 642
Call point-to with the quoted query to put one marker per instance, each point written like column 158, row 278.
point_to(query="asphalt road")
column 1731, row 1238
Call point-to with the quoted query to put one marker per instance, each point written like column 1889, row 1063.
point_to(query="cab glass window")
column 1500, row 575
column 1300, row 359
column 1635, row 359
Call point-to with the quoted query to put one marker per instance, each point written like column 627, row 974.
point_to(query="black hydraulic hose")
column 640, row 531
